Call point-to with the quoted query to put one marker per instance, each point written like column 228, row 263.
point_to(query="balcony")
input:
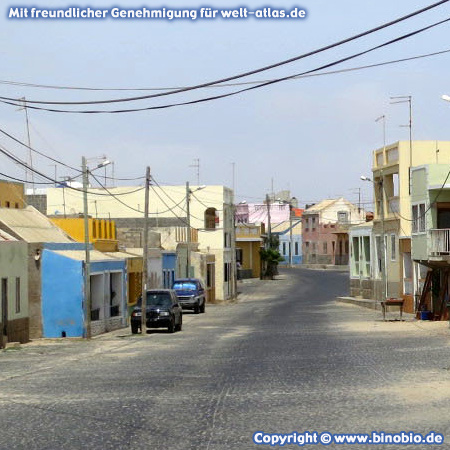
column 440, row 242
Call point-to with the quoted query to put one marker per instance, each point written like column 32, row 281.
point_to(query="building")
column 249, row 240
column 14, row 315
column 55, row 270
column 283, row 217
column 393, row 214
column 211, row 214
column 430, row 240
column 362, row 260
column 11, row 194
column 325, row 231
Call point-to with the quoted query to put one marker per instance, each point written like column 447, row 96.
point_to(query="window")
column 342, row 216
column 296, row 248
column 284, row 248
column 325, row 248
column 17, row 295
column 210, row 218
column 393, row 248
column 239, row 255
column 418, row 218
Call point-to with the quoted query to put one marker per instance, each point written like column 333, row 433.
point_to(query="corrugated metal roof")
column 79, row 255
column 32, row 226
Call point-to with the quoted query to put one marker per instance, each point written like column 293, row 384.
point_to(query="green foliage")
column 270, row 257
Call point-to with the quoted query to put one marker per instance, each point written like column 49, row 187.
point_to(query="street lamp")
column 188, row 214
column 87, row 265
column 383, row 240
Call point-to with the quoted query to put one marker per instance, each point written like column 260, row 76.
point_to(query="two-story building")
column 325, row 231
column 394, row 215
column 211, row 213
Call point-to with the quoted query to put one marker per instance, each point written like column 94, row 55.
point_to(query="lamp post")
column 87, row 264
column 379, row 183
column 188, row 220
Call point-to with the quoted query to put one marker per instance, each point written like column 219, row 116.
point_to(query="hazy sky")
column 313, row 136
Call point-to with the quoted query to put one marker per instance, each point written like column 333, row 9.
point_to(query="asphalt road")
column 285, row 358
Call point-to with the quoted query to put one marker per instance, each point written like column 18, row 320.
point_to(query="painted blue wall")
column 62, row 296
column 285, row 238
column 169, row 261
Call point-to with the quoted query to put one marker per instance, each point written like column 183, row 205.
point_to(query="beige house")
column 393, row 213
column 211, row 214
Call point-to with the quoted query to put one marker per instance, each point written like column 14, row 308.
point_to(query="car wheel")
column 171, row 327
column 134, row 329
column 180, row 324
column 197, row 309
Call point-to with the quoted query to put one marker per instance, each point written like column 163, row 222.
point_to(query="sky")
column 313, row 136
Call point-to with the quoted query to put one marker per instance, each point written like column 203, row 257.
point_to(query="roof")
column 5, row 237
column 79, row 255
column 30, row 225
column 321, row 206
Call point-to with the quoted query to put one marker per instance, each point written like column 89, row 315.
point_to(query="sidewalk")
column 392, row 324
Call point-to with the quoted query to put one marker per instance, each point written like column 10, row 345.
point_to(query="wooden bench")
column 392, row 302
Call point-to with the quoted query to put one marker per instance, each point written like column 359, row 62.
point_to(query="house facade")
column 325, row 231
column 393, row 215
column 211, row 214
column 430, row 239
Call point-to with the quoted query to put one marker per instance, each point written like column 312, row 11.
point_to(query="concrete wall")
column 13, row 268
column 62, row 296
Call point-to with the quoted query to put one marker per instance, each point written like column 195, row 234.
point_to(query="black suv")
column 191, row 294
column 163, row 311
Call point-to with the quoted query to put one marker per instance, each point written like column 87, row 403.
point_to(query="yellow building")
column 248, row 245
column 102, row 233
column 393, row 213
column 11, row 194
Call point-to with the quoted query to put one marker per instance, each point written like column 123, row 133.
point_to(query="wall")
column 11, row 194
column 13, row 266
column 62, row 296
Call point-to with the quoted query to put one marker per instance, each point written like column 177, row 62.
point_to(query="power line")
column 242, row 83
column 251, row 72
column 230, row 94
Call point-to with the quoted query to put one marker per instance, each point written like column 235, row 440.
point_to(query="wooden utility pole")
column 145, row 256
column 188, row 213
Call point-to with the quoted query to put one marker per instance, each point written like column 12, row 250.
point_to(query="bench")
column 392, row 302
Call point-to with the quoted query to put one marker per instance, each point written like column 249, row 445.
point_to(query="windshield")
column 185, row 286
column 157, row 299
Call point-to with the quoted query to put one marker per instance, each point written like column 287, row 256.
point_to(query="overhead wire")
column 251, row 72
column 242, row 83
column 230, row 94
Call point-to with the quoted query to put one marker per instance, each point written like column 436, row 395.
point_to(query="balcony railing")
column 440, row 242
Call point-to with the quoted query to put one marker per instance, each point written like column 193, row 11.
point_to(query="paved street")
column 286, row 357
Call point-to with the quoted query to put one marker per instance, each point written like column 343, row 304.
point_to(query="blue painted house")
column 56, row 279
column 63, row 292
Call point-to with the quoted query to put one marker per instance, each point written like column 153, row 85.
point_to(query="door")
column 4, row 330
column 443, row 218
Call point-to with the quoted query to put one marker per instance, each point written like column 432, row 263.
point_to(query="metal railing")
column 440, row 241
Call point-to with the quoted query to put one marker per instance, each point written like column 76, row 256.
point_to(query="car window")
column 159, row 299
column 185, row 286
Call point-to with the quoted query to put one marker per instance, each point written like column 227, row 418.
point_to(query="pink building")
column 325, row 231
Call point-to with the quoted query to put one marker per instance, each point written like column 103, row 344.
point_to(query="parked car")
column 163, row 311
column 191, row 294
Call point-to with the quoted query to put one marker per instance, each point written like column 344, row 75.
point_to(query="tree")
column 270, row 257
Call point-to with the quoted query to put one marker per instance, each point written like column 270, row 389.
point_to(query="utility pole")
column 196, row 165
column 87, row 263
column 383, row 240
column 188, row 212
column 269, row 228
column 290, row 235
column 30, row 157
column 145, row 256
